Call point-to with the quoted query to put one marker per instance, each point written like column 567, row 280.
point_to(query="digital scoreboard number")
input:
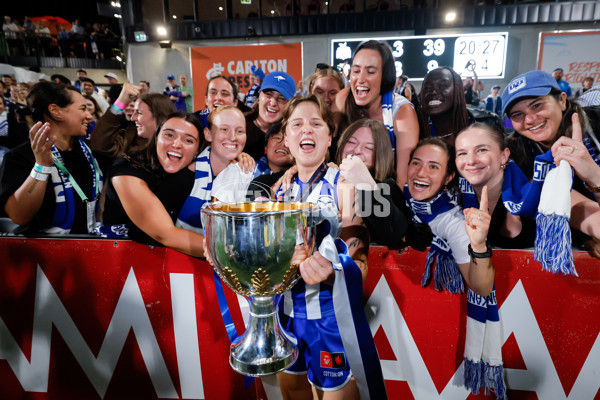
column 415, row 56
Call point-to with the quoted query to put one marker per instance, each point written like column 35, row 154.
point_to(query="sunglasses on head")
column 326, row 66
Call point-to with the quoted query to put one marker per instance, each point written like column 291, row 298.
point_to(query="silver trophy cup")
column 251, row 246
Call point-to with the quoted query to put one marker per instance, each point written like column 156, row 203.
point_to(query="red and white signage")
column 97, row 319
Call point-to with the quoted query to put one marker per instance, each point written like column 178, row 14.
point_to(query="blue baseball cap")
column 530, row 84
column 281, row 82
column 558, row 69
column 496, row 87
column 170, row 77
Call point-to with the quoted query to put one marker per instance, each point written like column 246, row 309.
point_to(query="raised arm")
column 479, row 273
column 147, row 212
column 107, row 137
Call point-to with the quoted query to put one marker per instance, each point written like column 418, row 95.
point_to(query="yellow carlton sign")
column 234, row 62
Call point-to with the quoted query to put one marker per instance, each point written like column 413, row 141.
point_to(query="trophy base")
column 265, row 349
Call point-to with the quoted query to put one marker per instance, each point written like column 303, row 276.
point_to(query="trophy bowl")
column 251, row 246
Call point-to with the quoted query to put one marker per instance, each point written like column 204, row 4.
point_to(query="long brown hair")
column 383, row 155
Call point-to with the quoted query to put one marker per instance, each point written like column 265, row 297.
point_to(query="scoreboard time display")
column 415, row 56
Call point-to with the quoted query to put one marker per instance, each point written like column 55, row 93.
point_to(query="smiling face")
column 270, row 106
column 438, row 92
column 90, row 106
column 479, row 158
column 327, row 87
column 307, row 135
column 87, row 88
column 227, row 135
column 362, row 145
column 365, row 76
column 427, row 172
column 177, row 144
column 144, row 120
column 219, row 93
column 539, row 118
column 278, row 155
column 76, row 116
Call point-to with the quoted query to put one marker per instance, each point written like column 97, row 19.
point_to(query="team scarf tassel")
column 483, row 357
column 447, row 274
column 353, row 326
column 552, row 246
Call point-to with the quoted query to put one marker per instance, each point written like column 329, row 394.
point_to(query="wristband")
column 474, row 254
column 38, row 177
column 116, row 110
column 42, row 168
column 120, row 105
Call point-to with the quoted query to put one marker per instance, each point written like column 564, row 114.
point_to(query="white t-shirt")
column 231, row 184
column 450, row 226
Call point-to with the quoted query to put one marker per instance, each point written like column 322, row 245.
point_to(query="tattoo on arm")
column 32, row 187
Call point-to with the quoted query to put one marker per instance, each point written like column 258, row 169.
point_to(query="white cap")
column 111, row 75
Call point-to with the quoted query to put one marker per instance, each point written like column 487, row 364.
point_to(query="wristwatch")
column 487, row 254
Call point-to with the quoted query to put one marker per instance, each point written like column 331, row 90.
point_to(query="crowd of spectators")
column 56, row 37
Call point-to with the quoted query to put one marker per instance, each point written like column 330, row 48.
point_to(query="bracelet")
column 474, row 254
column 115, row 110
column 120, row 105
column 592, row 189
column 42, row 168
column 38, row 177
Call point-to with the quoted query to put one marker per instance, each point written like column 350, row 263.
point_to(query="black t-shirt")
column 523, row 240
column 171, row 189
column 255, row 139
column 17, row 166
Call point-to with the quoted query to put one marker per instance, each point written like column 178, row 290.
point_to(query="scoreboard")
column 415, row 56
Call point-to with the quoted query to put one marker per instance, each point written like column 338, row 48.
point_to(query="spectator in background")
column 77, row 30
column 173, row 91
column 586, row 85
column 144, row 87
column 558, row 74
column 326, row 83
column 88, row 88
column 493, row 102
column 12, row 132
column 590, row 98
column 12, row 33
column 256, row 78
column 81, row 73
column 219, row 92
column 186, row 93
column 92, row 107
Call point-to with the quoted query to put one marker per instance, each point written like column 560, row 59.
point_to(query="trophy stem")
column 265, row 348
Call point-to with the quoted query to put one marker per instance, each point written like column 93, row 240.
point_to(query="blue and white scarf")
column 447, row 274
column 189, row 216
column 483, row 357
column 520, row 196
column 262, row 167
column 387, row 102
column 64, row 215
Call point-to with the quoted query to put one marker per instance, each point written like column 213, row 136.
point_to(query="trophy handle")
column 328, row 214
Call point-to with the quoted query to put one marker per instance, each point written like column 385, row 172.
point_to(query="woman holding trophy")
column 310, row 310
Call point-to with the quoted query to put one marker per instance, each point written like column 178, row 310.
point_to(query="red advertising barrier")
column 97, row 319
